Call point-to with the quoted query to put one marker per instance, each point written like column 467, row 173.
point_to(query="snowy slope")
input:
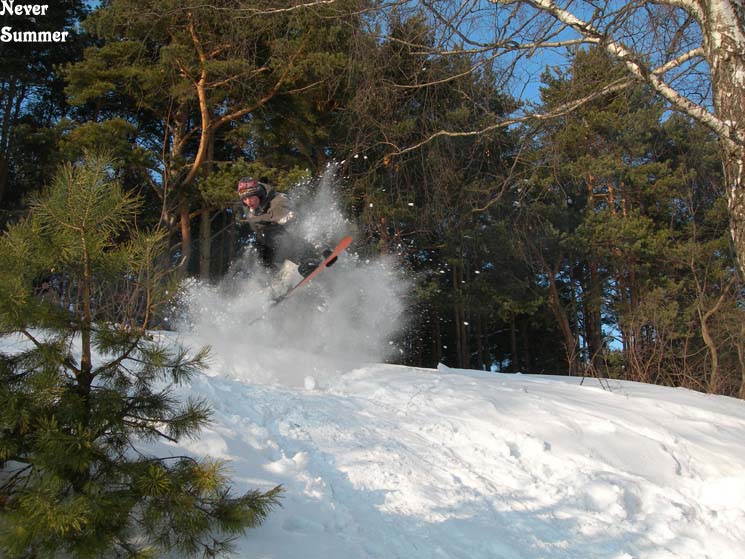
column 394, row 462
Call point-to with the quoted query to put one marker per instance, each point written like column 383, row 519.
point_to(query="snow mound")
column 391, row 461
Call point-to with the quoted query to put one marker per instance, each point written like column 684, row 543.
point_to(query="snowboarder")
column 269, row 214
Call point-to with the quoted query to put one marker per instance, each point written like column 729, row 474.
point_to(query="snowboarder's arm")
column 278, row 213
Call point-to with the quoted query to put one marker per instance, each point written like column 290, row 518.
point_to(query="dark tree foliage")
column 623, row 221
column 592, row 243
column 437, row 206
column 203, row 85
column 32, row 100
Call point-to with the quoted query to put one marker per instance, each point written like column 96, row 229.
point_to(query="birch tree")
column 690, row 52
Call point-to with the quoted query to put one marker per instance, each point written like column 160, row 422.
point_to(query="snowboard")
column 329, row 261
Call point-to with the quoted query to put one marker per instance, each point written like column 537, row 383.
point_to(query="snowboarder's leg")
column 307, row 266
column 309, row 260
column 267, row 255
column 326, row 253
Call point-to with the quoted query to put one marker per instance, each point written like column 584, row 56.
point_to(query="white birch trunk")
column 724, row 45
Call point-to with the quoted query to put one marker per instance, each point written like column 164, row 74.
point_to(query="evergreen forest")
column 592, row 243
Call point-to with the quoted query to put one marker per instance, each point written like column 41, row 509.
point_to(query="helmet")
column 251, row 187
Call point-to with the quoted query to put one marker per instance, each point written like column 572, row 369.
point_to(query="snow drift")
column 391, row 461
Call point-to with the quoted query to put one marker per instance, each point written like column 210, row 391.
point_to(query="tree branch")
column 636, row 68
column 679, row 61
column 561, row 110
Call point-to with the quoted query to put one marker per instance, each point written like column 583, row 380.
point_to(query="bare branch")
column 271, row 11
column 559, row 111
column 677, row 62
column 637, row 68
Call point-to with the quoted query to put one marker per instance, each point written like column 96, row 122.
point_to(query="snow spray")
column 345, row 318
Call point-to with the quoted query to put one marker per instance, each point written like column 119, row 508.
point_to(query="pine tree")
column 207, row 83
column 625, row 218
column 89, row 383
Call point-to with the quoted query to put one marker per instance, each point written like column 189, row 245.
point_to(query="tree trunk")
column 185, row 226
column 570, row 341
column 3, row 176
column 232, row 241
column 5, row 126
column 221, row 244
column 205, row 244
column 437, row 339
column 704, row 317
column 514, row 359
column 592, row 292
column 459, row 311
column 593, row 315
column 725, row 49
column 527, row 361
column 741, row 360
column 479, row 343
column 713, row 381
